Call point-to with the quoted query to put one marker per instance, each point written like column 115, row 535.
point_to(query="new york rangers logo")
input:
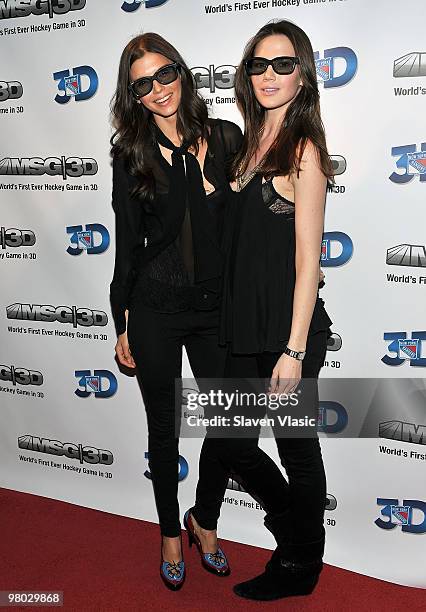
column 400, row 515
column 325, row 250
column 411, row 162
column 409, row 349
column 85, row 240
column 72, row 85
column 394, row 515
column 324, row 69
column 92, row 383
column 405, row 348
column 78, row 83
column 94, row 239
column 102, row 383
column 336, row 67
column 416, row 163
column 336, row 249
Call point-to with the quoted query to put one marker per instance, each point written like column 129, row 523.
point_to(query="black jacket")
column 145, row 228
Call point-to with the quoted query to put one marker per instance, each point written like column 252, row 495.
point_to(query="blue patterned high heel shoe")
column 172, row 573
column 216, row 563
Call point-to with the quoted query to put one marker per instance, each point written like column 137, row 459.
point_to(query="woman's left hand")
column 286, row 375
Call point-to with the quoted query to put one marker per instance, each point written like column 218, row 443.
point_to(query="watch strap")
column 299, row 355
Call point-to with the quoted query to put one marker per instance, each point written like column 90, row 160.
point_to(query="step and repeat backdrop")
column 72, row 425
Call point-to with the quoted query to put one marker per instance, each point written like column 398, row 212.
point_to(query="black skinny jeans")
column 156, row 340
column 299, row 503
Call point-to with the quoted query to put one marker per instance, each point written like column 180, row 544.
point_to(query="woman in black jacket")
column 170, row 185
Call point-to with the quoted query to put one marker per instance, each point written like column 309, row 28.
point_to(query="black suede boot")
column 293, row 569
column 286, row 579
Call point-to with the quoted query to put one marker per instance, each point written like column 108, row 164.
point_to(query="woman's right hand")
column 122, row 351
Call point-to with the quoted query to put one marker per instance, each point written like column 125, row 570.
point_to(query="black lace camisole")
column 260, row 272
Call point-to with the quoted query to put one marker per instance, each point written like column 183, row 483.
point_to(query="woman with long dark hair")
column 169, row 191
column 273, row 322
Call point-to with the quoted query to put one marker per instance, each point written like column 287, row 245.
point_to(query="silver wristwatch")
column 299, row 355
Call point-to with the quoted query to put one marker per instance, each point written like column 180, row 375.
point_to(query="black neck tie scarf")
column 187, row 189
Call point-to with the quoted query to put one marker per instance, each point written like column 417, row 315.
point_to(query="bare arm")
column 309, row 192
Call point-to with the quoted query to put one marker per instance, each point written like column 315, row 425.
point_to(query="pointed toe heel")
column 173, row 574
column 215, row 563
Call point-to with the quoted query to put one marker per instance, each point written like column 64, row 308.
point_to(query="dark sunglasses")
column 281, row 65
column 165, row 75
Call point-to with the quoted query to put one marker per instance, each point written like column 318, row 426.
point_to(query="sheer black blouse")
column 154, row 258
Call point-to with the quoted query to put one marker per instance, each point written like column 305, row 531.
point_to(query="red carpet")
column 103, row 562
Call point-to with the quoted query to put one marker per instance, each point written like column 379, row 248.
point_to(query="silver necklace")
column 244, row 179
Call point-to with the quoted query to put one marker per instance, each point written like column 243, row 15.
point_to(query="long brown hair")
column 134, row 129
column 302, row 120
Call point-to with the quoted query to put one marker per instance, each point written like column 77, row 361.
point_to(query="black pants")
column 156, row 340
column 298, row 503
